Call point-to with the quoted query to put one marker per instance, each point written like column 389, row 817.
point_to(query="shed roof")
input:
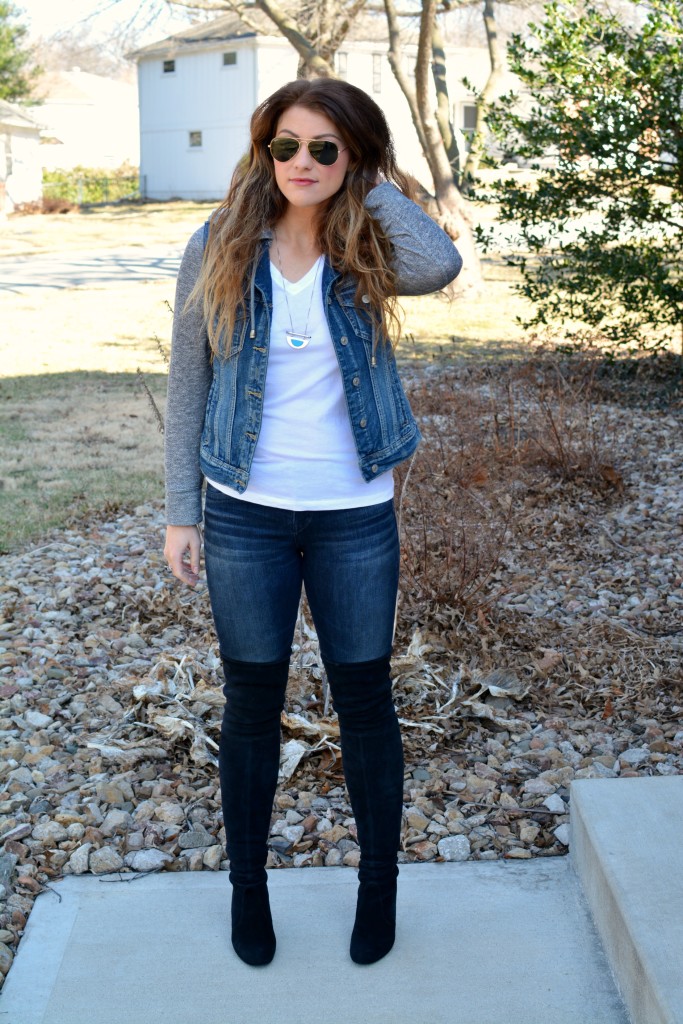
column 196, row 37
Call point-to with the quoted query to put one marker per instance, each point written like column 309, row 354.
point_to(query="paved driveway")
column 74, row 269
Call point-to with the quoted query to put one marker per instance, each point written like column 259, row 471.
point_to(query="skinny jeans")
column 257, row 560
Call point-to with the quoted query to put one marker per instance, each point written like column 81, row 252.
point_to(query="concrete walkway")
column 478, row 943
column 483, row 942
column 627, row 848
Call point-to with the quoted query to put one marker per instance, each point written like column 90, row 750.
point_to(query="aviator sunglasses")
column 323, row 152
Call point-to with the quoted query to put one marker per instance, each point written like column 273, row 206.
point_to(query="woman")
column 290, row 405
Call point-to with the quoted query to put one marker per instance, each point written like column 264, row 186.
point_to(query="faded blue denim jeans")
column 257, row 559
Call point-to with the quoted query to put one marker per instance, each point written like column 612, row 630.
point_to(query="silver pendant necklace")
column 296, row 339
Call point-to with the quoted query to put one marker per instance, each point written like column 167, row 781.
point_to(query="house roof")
column 10, row 114
column 197, row 36
column 80, row 88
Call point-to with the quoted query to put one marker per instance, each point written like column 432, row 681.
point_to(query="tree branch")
column 204, row 5
column 396, row 64
column 307, row 52
column 340, row 33
column 231, row 6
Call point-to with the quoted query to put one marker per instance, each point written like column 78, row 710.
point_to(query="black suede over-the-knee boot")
column 249, row 757
column 372, row 755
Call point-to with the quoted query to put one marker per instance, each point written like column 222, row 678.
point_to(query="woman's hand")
column 180, row 539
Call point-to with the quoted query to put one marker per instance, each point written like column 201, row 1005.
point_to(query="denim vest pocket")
column 239, row 333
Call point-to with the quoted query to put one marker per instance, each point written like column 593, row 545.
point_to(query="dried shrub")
column 488, row 440
column 456, row 509
column 56, row 204
column 550, row 420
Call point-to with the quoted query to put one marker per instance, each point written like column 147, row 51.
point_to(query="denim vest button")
column 374, row 468
column 344, row 340
column 355, row 381
column 363, row 423
column 365, row 298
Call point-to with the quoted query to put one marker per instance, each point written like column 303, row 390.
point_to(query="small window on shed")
column 195, row 140
column 169, row 67
column 469, row 117
column 230, row 58
column 467, row 121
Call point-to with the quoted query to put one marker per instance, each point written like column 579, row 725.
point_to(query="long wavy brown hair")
column 347, row 234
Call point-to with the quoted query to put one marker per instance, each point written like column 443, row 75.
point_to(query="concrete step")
column 483, row 942
column 627, row 849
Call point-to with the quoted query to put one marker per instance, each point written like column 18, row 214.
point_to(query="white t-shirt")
column 305, row 456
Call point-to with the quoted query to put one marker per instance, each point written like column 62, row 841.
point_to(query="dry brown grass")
column 125, row 225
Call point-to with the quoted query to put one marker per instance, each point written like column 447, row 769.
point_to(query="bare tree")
column 79, row 47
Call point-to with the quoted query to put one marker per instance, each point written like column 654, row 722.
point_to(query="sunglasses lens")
column 325, row 153
column 284, row 149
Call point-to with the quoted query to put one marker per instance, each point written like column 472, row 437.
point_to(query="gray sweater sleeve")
column 425, row 259
column 189, row 380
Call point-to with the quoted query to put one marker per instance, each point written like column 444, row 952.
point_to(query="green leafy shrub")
column 86, row 185
column 598, row 215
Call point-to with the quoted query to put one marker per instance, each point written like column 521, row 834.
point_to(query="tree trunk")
column 397, row 66
column 488, row 92
column 453, row 214
column 443, row 103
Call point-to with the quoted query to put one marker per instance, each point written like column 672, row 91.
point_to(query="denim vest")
column 384, row 429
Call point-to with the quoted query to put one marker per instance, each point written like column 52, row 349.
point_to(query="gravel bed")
column 567, row 665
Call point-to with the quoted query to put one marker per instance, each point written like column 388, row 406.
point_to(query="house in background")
column 199, row 87
column 89, row 121
column 21, row 176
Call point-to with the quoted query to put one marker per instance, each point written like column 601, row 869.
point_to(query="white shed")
column 21, row 174
column 198, row 89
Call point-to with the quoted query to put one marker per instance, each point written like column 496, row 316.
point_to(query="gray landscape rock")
column 170, row 812
column 635, row 756
column 147, row 860
column 212, row 857
column 49, row 832
column 454, row 848
column 6, row 958
column 37, row 719
column 538, row 787
column 562, row 833
column 416, row 819
column 78, row 861
column 292, row 833
column 105, row 860
column 555, row 803
column 116, row 822
column 195, row 840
